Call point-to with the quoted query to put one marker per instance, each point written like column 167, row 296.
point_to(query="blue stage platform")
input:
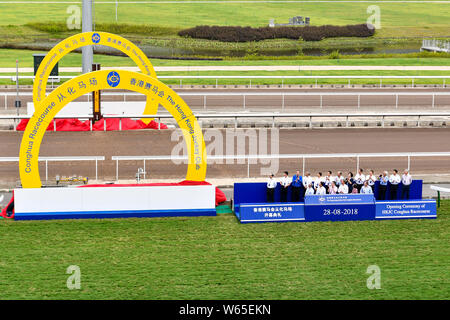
column 250, row 206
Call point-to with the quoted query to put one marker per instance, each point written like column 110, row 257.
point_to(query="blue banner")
column 419, row 209
column 339, row 207
column 332, row 199
column 274, row 212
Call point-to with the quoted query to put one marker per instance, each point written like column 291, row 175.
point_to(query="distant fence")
column 282, row 97
column 59, row 159
column 314, row 79
column 300, row 157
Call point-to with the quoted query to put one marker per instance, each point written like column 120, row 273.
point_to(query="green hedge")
column 307, row 33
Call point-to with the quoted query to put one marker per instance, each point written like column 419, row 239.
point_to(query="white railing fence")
column 60, row 159
column 300, row 157
column 314, row 80
column 281, row 97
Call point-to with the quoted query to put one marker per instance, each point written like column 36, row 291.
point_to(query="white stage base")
column 109, row 202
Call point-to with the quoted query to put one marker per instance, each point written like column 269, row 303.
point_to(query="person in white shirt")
column 406, row 184
column 309, row 190
column 307, row 180
column 321, row 189
column 394, row 181
column 366, row 189
column 339, row 177
column 343, row 188
column 359, row 179
column 332, row 189
column 318, row 179
column 271, row 185
column 285, row 183
column 371, row 179
column 329, row 179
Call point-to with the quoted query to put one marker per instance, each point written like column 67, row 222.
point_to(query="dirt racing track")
column 291, row 141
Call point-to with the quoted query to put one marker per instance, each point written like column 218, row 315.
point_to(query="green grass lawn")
column 397, row 19
column 218, row 258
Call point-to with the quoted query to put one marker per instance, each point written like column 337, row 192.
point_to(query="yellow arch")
column 91, row 38
column 101, row 80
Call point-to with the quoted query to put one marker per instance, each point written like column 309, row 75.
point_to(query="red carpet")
column 111, row 125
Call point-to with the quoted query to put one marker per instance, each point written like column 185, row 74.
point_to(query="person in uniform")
column 359, row 179
column 285, row 183
column 297, row 185
column 271, row 185
column 384, row 179
column 406, row 184
column 394, row 181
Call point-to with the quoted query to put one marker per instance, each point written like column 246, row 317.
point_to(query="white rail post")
column 120, row 124
column 124, row 97
column 54, row 124
column 409, row 162
column 432, row 102
column 6, row 101
column 235, row 122
column 204, row 102
column 303, row 172
column 396, row 101
column 273, row 121
column 359, row 101
column 90, row 124
column 144, row 169
column 104, row 124
column 357, row 163
column 216, row 83
column 282, row 101
column 159, row 123
column 181, row 83
column 117, row 169
column 443, row 84
column 321, row 103
column 244, row 101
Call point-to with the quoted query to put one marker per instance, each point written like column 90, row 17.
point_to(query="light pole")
column 87, row 51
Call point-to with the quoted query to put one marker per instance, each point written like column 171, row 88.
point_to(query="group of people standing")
column 329, row 184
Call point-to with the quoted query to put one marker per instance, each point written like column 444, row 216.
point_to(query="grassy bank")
column 397, row 19
column 218, row 258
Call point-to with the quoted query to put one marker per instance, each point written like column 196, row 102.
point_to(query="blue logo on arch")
column 113, row 79
column 96, row 38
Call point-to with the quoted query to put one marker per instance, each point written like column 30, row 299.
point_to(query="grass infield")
column 218, row 258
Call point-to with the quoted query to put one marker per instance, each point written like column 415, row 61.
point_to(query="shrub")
column 307, row 33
